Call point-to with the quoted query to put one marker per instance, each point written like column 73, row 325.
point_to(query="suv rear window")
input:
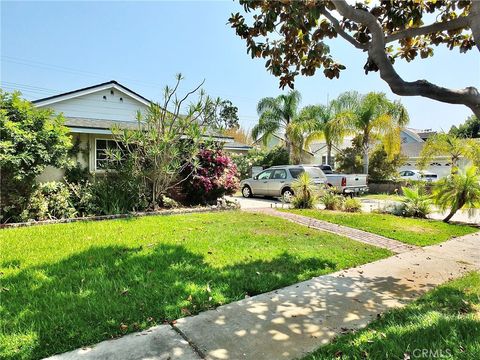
column 295, row 172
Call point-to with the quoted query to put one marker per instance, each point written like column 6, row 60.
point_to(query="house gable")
column 108, row 101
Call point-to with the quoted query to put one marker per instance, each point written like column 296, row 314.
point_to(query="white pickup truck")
column 348, row 184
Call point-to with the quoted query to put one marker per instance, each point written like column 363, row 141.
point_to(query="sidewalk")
column 290, row 322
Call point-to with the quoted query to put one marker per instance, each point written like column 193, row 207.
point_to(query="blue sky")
column 51, row 47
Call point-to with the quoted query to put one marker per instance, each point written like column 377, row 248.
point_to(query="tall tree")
column 469, row 129
column 375, row 118
column 275, row 116
column 292, row 36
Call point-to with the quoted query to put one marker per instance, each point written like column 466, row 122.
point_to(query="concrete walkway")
column 355, row 234
column 290, row 322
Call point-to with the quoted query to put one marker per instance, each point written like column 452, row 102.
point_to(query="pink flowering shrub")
column 213, row 176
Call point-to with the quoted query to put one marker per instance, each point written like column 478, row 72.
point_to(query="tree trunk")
column 450, row 215
column 365, row 161
column 329, row 155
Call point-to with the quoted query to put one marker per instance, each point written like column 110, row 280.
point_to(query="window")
column 101, row 148
column 324, row 159
column 295, row 172
column 279, row 174
column 264, row 175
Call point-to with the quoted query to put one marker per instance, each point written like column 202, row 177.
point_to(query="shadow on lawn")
column 105, row 292
column 442, row 324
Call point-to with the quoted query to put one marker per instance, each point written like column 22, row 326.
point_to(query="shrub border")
column 179, row 211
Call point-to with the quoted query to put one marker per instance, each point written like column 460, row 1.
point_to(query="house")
column 277, row 140
column 413, row 141
column 91, row 112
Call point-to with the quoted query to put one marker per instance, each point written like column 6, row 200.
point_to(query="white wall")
column 93, row 106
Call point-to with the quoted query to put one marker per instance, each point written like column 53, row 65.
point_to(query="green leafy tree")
column 319, row 122
column 276, row 114
column 294, row 36
column 30, row 140
column 375, row 118
column 221, row 114
column 448, row 145
column 381, row 166
column 470, row 129
column 458, row 190
column 165, row 142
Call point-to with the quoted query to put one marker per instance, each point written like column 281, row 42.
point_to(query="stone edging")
column 121, row 216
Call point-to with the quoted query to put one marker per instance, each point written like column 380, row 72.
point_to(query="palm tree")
column 451, row 146
column 376, row 119
column 329, row 123
column 458, row 190
column 275, row 116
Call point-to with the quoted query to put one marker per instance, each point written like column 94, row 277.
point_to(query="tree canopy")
column 469, row 129
column 292, row 36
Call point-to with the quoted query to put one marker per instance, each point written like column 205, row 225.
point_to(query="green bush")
column 118, row 193
column 352, row 205
column 332, row 201
column 50, row 200
column 31, row 140
column 259, row 157
column 305, row 192
column 415, row 202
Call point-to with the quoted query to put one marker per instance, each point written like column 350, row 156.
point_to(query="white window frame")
column 98, row 170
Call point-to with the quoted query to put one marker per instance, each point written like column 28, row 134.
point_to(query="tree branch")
column 475, row 22
column 458, row 23
column 469, row 96
column 341, row 31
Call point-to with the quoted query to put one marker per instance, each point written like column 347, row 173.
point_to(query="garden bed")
column 66, row 286
column 420, row 232
column 185, row 210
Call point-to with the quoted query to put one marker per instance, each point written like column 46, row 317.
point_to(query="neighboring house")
column 90, row 113
column 319, row 150
column 276, row 140
column 413, row 141
column 236, row 147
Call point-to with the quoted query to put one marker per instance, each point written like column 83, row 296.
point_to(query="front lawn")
column 445, row 323
column 419, row 232
column 388, row 197
column 69, row 285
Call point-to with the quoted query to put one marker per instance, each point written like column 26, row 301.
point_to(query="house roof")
column 236, row 145
column 413, row 133
column 90, row 89
column 100, row 126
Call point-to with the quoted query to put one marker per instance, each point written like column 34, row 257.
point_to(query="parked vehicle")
column 277, row 181
column 418, row 175
column 347, row 184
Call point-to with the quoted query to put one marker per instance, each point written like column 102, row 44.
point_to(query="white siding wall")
column 93, row 106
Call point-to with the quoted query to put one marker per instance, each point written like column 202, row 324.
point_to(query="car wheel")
column 287, row 195
column 246, row 191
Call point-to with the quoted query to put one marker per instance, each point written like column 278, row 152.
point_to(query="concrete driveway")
column 368, row 205
column 256, row 202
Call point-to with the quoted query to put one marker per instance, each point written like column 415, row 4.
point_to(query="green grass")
column 419, row 232
column 389, row 197
column 69, row 285
column 445, row 322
